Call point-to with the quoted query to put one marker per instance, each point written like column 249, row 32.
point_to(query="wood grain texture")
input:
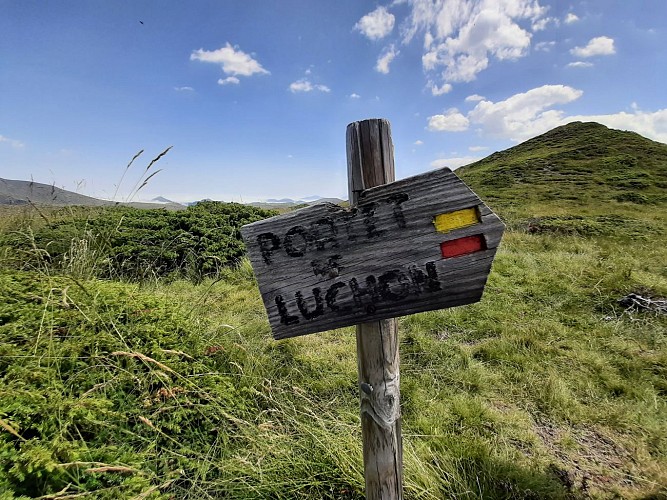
column 377, row 342
column 380, row 409
column 325, row 267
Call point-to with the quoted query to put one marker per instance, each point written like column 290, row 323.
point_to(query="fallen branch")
column 636, row 302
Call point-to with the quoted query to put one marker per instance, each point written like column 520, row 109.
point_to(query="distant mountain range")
column 272, row 203
column 307, row 199
column 13, row 192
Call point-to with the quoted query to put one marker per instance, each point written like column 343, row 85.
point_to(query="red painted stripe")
column 462, row 246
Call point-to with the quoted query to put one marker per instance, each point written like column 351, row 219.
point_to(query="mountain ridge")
column 18, row 192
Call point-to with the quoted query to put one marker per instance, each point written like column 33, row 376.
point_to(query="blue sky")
column 254, row 96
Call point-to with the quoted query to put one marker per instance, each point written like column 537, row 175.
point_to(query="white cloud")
column 443, row 89
column 571, row 18
column 418, row 142
column 525, row 114
column 474, row 98
column 233, row 60
column 475, row 149
column 580, row 64
column 454, row 163
column 541, row 24
column 462, row 36
column 528, row 114
column 229, row 80
column 184, row 89
column 12, row 142
column 385, row 59
column 649, row 124
column 544, row 46
column 377, row 24
column 354, row 96
column 451, row 121
column 305, row 85
column 598, row 46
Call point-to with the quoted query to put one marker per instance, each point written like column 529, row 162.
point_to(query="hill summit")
column 582, row 165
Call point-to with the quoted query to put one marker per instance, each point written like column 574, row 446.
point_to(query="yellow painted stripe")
column 455, row 220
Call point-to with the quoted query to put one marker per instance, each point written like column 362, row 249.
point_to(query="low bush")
column 136, row 244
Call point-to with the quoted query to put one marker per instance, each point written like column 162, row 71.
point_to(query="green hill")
column 580, row 178
column 578, row 167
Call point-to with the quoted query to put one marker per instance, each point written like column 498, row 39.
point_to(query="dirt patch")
column 588, row 461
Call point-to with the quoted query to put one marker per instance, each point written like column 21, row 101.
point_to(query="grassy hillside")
column 169, row 388
column 583, row 169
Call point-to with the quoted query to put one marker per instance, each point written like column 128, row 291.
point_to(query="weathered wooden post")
column 370, row 163
column 419, row 244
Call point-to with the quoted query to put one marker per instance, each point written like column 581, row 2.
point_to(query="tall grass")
column 546, row 389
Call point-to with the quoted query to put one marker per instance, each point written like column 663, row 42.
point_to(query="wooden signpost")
column 422, row 243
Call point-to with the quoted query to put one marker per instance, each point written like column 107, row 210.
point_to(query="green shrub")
column 130, row 243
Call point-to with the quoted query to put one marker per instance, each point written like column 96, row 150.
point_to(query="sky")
column 254, row 96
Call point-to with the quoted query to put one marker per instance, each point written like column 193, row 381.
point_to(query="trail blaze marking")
column 445, row 223
column 462, row 246
column 325, row 267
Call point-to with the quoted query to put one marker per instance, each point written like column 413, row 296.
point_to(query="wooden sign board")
column 422, row 243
